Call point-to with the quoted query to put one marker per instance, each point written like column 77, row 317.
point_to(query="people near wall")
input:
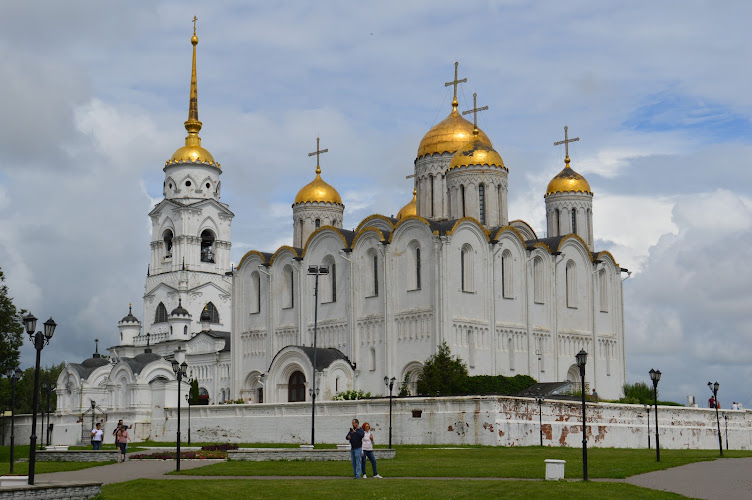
column 594, row 396
column 711, row 402
column 355, row 436
column 368, row 443
column 122, row 437
column 97, row 434
column 734, row 406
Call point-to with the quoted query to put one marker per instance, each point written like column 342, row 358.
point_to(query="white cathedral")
column 450, row 267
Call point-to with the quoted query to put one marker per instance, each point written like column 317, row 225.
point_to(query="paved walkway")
column 718, row 479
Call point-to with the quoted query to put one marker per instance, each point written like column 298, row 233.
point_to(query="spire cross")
column 475, row 110
column 194, row 24
column 318, row 151
column 455, row 82
column 566, row 141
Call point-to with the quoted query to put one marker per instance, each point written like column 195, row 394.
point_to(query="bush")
column 637, row 393
column 351, row 395
column 219, row 447
column 497, row 384
column 443, row 375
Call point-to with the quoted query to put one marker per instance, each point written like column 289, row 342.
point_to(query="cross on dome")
column 194, row 24
column 318, row 152
column 474, row 111
column 566, row 142
column 455, row 82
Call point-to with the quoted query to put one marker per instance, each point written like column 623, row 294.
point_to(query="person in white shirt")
column 97, row 434
column 368, row 451
column 734, row 406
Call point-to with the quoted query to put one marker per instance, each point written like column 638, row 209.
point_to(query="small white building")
column 450, row 267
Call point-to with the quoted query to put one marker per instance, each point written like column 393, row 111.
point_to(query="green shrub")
column 351, row 395
column 496, row 384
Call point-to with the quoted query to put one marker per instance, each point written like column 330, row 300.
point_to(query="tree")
column 442, row 374
column 25, row 389
column 637, row 393
column 11, row 328
column 193, row 394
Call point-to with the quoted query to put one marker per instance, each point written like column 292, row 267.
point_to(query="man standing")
column 96, row 437
column 355, row 436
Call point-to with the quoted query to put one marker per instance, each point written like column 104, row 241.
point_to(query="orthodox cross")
column 194, row 24
column 318, row 151
column 566, row 141
column 96, row 346
column 455, row 82
column 475, row 110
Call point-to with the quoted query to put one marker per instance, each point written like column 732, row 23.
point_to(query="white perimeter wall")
column 493, row 421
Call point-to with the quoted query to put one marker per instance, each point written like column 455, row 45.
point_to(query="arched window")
column 499, row 203
column 603, row 288
column 574, row 220
column 168, row 243
column 571, row 284
column 538, row 280
column 375, row 275
column 207, row 246
column 482, row 203
column 372, row 359
column 430, row 180
column 556, row 223
column 466, row 268
column 255, row 292
column 289, row 288
column 296, row 387
column 185, row 330
column 213, row 312
column 317, row 223
column 462, row 200
column 161, row 315
column 417, row 268
column 506, row 275
column 333, row 280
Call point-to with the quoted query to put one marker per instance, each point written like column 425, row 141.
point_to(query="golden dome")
column 476, row 152
column 318, row 191
column 449, row 135
column 192, row 151
column 409, row 209
column 568, row 181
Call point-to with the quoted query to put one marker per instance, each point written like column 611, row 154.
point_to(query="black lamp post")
column 315, row 271
column 181, row 370
column 581, row 362
column 714, row 389
column 188, row 402
column 13, row 376
column 725, row 420
column 655, row 376
column 539, row 400
column 647, row 409
column 389, row 382
column 40, row 340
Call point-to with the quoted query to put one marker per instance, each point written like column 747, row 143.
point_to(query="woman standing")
column 122, row 441
column 368, row 451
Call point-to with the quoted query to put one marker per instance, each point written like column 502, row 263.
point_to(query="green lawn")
column 515, row 462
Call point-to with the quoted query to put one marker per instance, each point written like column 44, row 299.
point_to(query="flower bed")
column 220, row 447
column 184, row 455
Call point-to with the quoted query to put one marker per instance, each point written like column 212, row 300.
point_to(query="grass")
column 393, row 488
column 479, row 462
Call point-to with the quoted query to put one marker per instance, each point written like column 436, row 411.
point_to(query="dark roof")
column 324, row 356
column 227, row 336
column 180, row 310
column 545, row 389
column 553, row 242
column 349, row 236
column 137, row 363
column 87, row 366
column 130, row 318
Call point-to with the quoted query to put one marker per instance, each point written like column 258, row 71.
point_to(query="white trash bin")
column 555, row 469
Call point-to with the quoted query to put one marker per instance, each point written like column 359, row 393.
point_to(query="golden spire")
column 192, row 151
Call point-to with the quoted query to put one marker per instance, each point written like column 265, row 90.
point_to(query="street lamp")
column 315, row 271
column 13, row 376
column 40, row 340
column 539, row 400
column 188, row 401
column 389, row 382
column 581, row 361
column 181, row 370
column 714, row 389
column 725, row 420
column 655, row 376
column 647, row 409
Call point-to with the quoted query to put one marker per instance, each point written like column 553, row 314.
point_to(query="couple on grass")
column 361, row 447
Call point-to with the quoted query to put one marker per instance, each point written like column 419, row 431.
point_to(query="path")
column 121, row 472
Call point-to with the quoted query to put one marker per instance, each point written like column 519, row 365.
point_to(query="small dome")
column 205, row 316
column 318, row 191
column 449, row 135
column 193, row 154
column 568, row 181
column 130, row 318
column 476, row 152
column 179, row 310
column 409, row 209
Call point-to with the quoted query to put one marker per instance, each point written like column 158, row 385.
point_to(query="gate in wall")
column 89, row 420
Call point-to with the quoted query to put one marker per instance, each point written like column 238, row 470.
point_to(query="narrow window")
column 417, row 268
column 574, row 220
column 482, row 203
column 291, row 276
column 333, row 274
column 506, row 275
column 260, row 395
column 375, row 275
column 318, row 223
column 207, row 246
column 466, row 268
column 256, row 291
column 372, row 364
column 168, row 243
column 430, row 179
column 500, row 204
column 556, row 222
column 571, row 284
column 161, row 316
column 603, row 285
column 538, row 280
column 213, row 312
column 462, row 269
column 185, row 330
column 462, row 194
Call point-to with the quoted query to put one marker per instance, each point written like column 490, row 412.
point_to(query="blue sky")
column 95, row 96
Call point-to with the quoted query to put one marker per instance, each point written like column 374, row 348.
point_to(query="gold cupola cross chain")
column 566, row 141
column 455, row 82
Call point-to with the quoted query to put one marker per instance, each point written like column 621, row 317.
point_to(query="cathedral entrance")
column 296, row 387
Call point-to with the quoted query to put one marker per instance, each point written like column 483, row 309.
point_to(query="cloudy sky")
column 94, row 95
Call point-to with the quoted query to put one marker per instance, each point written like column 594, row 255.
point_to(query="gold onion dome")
column 476, row 152
column 411, row 208
column 568, row 181
column 192, row 152
column 318, row 191
column 449, row 135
